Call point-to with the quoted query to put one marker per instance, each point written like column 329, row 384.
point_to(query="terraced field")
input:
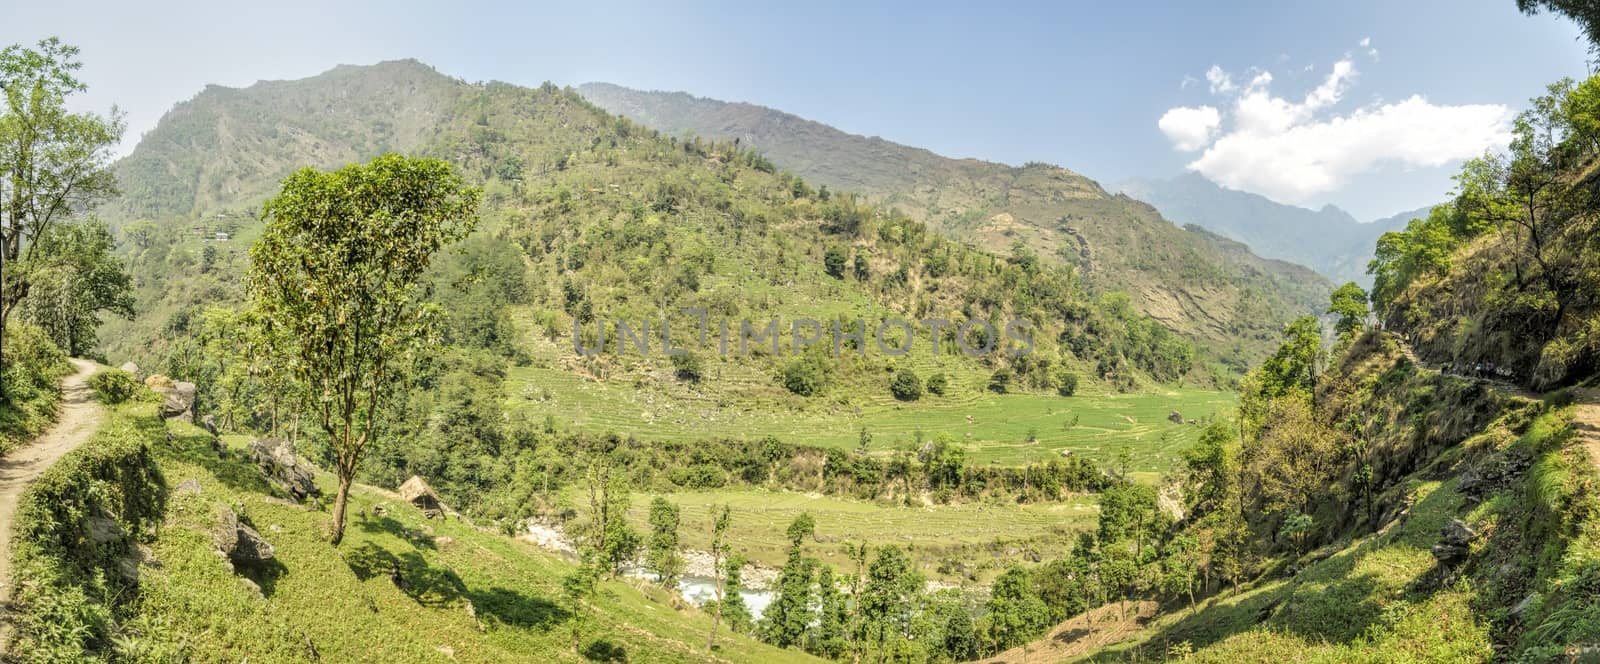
column 639, row 396
column 981, row 536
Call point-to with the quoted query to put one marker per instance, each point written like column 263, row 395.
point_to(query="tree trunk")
column 339, row 503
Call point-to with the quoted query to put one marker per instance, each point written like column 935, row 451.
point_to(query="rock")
column 418, row 493
column 237, row 541
column 443, row 541
column 277, row 460
column 209, row 423
column 190, row 485
column 103, row 530
column 131, row 368
column 1523, row 606
column 1449, row 554
column 1458, row 533
column 1175, row 417
column 251, row 548
column 178, row 396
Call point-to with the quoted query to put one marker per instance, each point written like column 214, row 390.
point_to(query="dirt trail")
column 1586, row 419
column 79, row 418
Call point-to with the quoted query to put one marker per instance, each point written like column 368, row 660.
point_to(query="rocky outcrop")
column 177, row 396
column 1455, row 542
column 132, row 369
column 277, row 460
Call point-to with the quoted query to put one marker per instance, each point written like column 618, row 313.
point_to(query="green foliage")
column 689, row 366
column 1349, row 302
column 833, row 261
column 1000, row 381
column 56, row 164
column 1015, row 612
column 69, row 591
column 938, row 384
column 113, row 386
column 30, row 383
column 72, row 278
column 662, row 550
column 806, row 376
column 906, row 386
column 1067, row 384
column 892, row 583
column 337, row 271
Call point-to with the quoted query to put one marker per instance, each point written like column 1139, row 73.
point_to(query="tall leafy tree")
column 663, row 545
column 72, row 280
column 337, row 269
column 1350, row 303
column 831, row 636
column 1016, row 614
column 790, row 612
column 892, row 585
column 720, row 518
column 53, row 163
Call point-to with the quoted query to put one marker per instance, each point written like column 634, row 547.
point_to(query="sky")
column 1368, row 105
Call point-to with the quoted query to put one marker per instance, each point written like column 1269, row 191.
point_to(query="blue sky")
column 1083, row 85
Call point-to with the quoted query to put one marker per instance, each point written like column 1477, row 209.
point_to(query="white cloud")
column 1366, row 41
column 1220, row 81
column 1190, row 129
column 1295, row 150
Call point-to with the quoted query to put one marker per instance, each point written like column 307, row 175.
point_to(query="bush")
column 1068, row 385
column 805, row 377
column 31, row 379
column 113, row 386
column 907, row 386
column 688, row 366
column 833, row 260
column 1000, row 382
column 938, row 384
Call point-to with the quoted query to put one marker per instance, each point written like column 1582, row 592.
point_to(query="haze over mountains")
column 1329, row 240
column 1192, row 280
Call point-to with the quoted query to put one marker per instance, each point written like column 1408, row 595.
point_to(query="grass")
column 470, row 595
column 979, row 536
column 641, row 398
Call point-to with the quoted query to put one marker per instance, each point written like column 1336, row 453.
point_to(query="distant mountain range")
column 1328, row 240
column 1196, row 282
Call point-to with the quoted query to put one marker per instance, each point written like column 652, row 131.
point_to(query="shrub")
column 938, row 384
column 688, row 366
column 805, row 376
column 1068, row 385
column 833, row 260
column 1000, row 382
column 113, row 386
column 907, row 386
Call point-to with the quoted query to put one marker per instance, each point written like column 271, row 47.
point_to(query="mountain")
column 1189, row 280
column 1328, row 240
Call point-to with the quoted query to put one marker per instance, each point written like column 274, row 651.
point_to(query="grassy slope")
column 342, row 602
column 1382, row 597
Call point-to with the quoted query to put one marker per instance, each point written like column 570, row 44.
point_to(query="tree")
column 1016, row 614
column 732, row 607
column 53, row 163
column 938, row 384
column 831, row 636
column 72, row 280
column 906, row 385
column 787, row 618
column 891, row 586
column 337, row 269
column 1067, row 384
column 720, row 517
column 576, row 589
column 833, row 261
column 1350, row 303
column 613, row 540
column 663, row 548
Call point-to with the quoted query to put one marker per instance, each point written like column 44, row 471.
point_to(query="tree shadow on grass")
column 602, row 650
column 410, row 572
column 371, row 523
column 514, row 608
column 232, row 471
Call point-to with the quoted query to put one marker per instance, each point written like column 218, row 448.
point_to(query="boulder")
column 179, row 401
column 418, row 493
column 190, row 485
column 1449, row 554
column 131, row 368
column 1175, row 417
column 103, row 529
column 236, row 540
column 209, row 423
column 277, row 460
column 1457, row 532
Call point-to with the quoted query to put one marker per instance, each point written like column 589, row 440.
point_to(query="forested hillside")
column 1233, row 300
